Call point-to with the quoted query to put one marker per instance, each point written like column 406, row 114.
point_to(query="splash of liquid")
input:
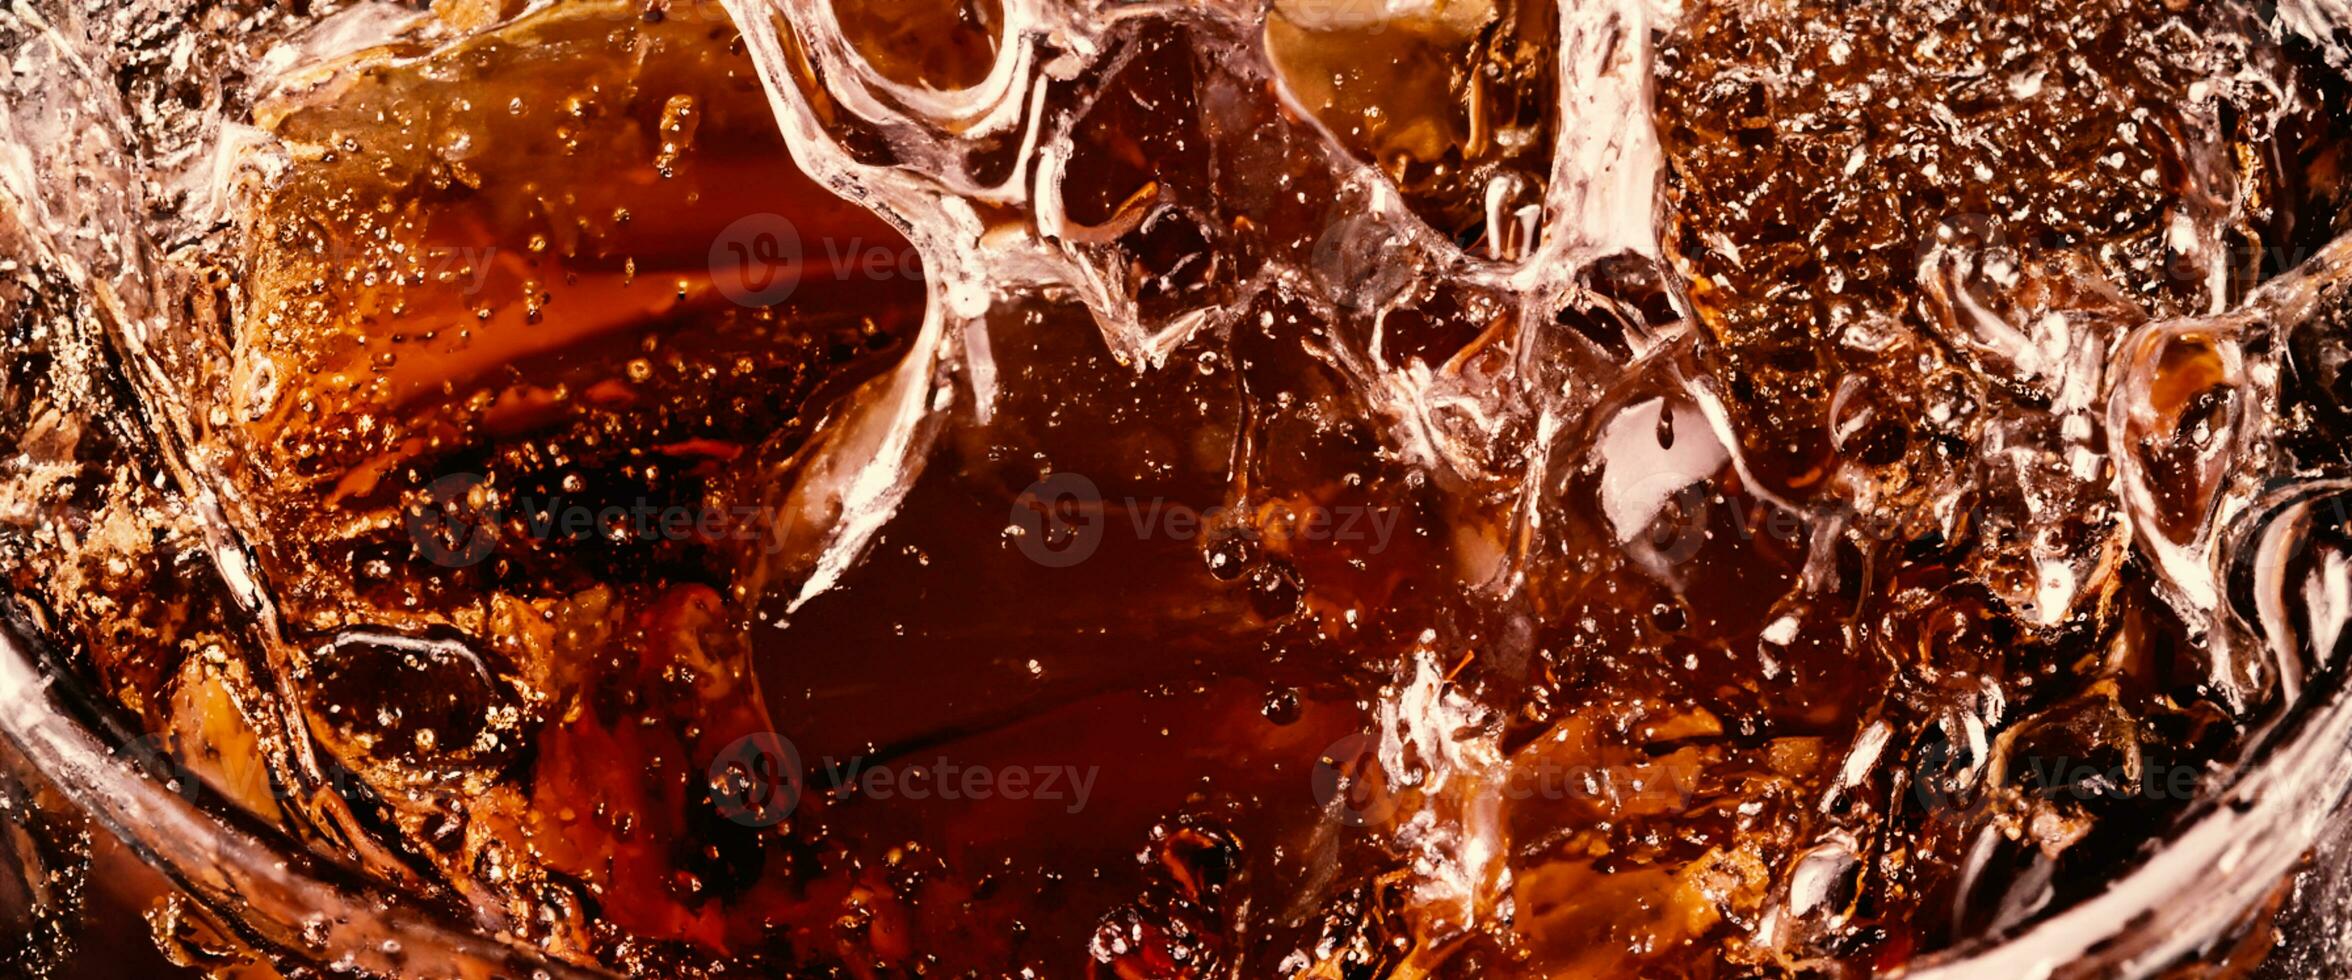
column 1598, row 488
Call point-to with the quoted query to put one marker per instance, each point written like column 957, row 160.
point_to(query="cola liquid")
column 1319, row 490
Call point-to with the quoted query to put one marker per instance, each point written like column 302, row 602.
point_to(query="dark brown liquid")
column 506, row 266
